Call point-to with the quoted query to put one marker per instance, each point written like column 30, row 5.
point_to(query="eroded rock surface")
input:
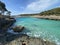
column 26, row 40
column 18, row 28
column 5, row 23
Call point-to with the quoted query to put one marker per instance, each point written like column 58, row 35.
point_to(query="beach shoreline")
column 51, row 17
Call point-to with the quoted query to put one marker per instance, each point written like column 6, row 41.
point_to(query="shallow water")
column 46, row 29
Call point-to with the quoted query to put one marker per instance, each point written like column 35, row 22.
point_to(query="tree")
column 8, row 13
column 2, row 8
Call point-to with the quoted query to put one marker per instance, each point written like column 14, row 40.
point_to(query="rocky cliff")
column 5, row 23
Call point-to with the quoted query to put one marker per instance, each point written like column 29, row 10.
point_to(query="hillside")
column 55, row 11
column 28, row 14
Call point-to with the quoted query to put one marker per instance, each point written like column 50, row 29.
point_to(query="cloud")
column 39, row 5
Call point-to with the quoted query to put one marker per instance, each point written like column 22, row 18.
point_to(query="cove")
column 42, row 28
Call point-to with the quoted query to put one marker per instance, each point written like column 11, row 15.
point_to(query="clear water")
column 46, row 29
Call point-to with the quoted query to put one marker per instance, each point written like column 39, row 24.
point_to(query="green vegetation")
column 28, row 14
column 3, row 9
column 55, row 11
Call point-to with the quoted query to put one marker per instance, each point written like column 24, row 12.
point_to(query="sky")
column 30, row 6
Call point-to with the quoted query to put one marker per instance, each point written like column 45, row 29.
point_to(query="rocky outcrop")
column 27, row 40
column 5, row 23
column 18, row 28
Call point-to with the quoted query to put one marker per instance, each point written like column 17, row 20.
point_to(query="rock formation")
column 5, row 23
column 18, row 28
column 23, row 39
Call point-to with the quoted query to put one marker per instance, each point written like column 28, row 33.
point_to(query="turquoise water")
column 46, row 29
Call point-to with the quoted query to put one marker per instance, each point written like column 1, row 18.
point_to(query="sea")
column 40, row 28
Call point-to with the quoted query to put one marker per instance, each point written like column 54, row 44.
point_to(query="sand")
column 53, row 17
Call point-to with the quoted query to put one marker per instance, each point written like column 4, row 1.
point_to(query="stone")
column 23, row 39
column 18, row 28
column 5, row 23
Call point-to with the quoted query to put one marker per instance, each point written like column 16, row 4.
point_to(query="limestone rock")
column 18, row 28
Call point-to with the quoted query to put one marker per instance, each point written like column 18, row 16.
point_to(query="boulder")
column 18, row 28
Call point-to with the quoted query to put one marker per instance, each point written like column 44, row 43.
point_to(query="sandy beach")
column 53, row 17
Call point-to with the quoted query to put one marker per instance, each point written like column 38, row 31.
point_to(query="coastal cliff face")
column 5, row 23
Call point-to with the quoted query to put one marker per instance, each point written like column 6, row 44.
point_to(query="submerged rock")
column 18, row 28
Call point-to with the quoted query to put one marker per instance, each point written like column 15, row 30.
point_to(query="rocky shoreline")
column 21, row 39
column 17, row 39
column 5, row 23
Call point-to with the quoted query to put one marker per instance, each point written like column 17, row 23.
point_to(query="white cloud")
column 40, row 5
